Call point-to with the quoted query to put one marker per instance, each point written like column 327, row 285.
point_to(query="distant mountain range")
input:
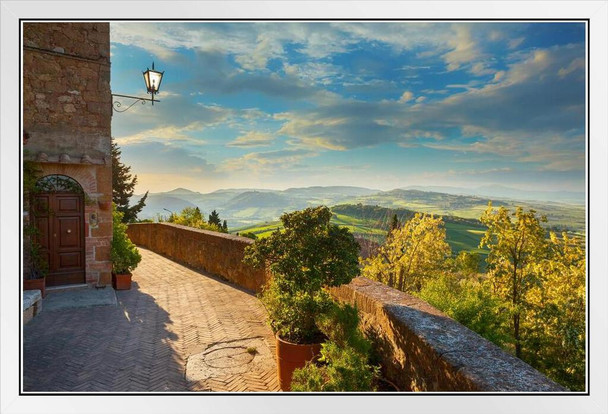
column 245, row 207
column 500, row 191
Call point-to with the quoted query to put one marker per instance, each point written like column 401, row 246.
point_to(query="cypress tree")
column 214, row 218
column 123, row 185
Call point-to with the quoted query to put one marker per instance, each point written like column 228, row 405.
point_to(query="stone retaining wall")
column 217, row 253
column 421, row 349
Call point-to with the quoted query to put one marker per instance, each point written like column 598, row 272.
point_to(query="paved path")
column 171, row 315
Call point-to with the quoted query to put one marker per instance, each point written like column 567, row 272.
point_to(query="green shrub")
column 309, row 255
column 249, row 235
column 471, row 303
column 344, row 362
column 124, row 254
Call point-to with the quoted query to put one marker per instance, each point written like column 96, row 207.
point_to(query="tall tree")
column 554, row 340
column 214, row 218
column 517, row 243
column 412, row 253
column 394, row 224
column 123, row 186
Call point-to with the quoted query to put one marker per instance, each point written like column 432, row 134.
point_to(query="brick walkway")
column 170, row 314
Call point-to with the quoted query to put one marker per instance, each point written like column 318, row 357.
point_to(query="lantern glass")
column 153, row 79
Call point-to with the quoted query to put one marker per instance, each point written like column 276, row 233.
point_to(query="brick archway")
column 80, row 173
column 96, row 183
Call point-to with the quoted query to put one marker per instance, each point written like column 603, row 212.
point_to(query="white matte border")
column 10, row 139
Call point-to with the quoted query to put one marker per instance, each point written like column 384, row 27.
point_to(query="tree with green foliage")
column 308, row 256
column 554, row 329
column 467, row 263
column 395, row 224
column 123, row 186
column 214, row 218
column 248, row 234
column 413, row 253
column 192, row 217
column 471, row 302
column 225, row 226
column 517, row 243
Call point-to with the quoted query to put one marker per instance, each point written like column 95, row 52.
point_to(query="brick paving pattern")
column 143, row 344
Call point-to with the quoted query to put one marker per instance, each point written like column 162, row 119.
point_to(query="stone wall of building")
column 421, row 348
column 67, row 116
column 217, row 253
column 67, row 102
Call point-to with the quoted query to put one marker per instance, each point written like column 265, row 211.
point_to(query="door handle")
column 69, row 231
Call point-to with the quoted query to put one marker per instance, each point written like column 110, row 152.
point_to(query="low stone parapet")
column 220, row 254
column 32, row 304
column 422, row 349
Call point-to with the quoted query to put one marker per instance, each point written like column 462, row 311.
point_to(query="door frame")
column 52, row 186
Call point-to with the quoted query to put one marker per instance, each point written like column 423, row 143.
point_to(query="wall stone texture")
column 67, row 101
column 421, row 349
column 217, row 253
column 67, row 114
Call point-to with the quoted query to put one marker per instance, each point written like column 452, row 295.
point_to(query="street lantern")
column 153, row 78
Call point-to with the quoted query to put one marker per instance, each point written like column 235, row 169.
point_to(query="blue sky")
column 374, row 104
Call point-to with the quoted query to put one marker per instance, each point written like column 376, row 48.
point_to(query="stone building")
column 67, row 112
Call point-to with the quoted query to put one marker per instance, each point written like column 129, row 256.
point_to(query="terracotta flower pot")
column 121, row 281
column 35, row 284
column 292, row 356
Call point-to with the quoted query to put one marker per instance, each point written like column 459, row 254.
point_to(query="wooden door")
column 59, row 218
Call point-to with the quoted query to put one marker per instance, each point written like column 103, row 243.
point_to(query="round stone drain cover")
column 229, row 358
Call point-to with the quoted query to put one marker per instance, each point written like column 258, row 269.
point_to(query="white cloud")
column 252, row 139
column 164, row 133
column 576, row 64
column 266, row 162
column 464, row 48
column 513, row 43
column 406, row 97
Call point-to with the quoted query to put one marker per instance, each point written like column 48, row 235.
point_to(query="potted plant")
column 37, row 266
column 306, row 258
column 35, row 279
column 343, row 364
column 124, row 254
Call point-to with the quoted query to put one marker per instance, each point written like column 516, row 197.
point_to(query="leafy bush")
column 192, row 217
column 124, row 254
column 412, row 254
column 308, row 256
column 38, row 265
column 471, row 303
column 344, row 357
column 249, row 235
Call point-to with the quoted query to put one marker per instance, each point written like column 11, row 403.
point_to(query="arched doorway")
column 58, row 215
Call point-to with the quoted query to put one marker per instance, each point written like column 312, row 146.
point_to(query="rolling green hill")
column 559, row 216
column 372, row 223
column 244, row 208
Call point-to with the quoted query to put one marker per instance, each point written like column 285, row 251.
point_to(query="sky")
column 381, row 105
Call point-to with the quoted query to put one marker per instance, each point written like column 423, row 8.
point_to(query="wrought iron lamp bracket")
column 117, row 104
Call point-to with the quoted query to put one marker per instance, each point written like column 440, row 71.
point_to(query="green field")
column 372, row 223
